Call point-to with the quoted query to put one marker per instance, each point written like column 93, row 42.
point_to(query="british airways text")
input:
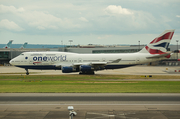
column 50, row 58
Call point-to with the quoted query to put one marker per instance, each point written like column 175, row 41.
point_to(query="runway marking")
column 100, row 114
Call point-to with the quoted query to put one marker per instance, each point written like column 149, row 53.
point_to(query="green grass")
column 84, row 77
column 85, row 83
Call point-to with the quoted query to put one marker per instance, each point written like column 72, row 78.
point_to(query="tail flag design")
column 160, row 44
column 167, row 35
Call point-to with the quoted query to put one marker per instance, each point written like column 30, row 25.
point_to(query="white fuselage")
column 55, row 60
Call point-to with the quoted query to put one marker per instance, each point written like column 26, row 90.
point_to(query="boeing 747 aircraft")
column 88, row 63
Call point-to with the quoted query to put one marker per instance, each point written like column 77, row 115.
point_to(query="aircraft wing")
column 94, row 64
column 90, row 63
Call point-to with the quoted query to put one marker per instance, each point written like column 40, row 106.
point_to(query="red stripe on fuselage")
column 36, row 62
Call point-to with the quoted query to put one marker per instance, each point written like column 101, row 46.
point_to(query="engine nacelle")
column 85, row 68
column 67, row 69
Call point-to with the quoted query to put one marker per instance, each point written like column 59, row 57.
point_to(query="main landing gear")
column 87, row 72
column 27, row 73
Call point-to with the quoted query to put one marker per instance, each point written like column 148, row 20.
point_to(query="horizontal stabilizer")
column 159, row 56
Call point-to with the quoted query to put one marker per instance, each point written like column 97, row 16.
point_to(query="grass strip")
column 87, row 84
column 79, row 87
column 83, row 77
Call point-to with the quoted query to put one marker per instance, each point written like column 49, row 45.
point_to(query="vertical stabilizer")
column 8, row 45
column 160, row 44
column 24, row 45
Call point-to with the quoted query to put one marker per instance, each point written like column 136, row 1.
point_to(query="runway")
column 89, row 105
column 88, row 97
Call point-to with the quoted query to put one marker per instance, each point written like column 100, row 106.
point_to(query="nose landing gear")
column 27, row 73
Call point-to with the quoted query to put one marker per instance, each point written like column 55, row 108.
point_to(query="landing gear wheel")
column 93, row 73
column 87, row 72
column 81, row 73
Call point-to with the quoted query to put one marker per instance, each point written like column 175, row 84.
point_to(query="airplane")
column 24, row 45
column 8, row 45
column 88, row 63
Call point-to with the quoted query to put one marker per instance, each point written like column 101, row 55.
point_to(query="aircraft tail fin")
column 8, row 45
column 160, row 44
column 24, row 45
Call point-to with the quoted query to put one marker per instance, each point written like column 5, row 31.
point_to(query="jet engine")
column 67, row 69
column 85, row 68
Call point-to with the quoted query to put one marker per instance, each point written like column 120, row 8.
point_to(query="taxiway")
column 135, row 70
column 90, row 105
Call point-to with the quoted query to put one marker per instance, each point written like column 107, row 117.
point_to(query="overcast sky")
column 87, row 21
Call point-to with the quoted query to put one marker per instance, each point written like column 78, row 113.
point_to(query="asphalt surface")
column 90, row 105
column 134, row 70
column 69, row 97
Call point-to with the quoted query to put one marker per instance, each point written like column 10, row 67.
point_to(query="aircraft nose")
column 11, row 62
